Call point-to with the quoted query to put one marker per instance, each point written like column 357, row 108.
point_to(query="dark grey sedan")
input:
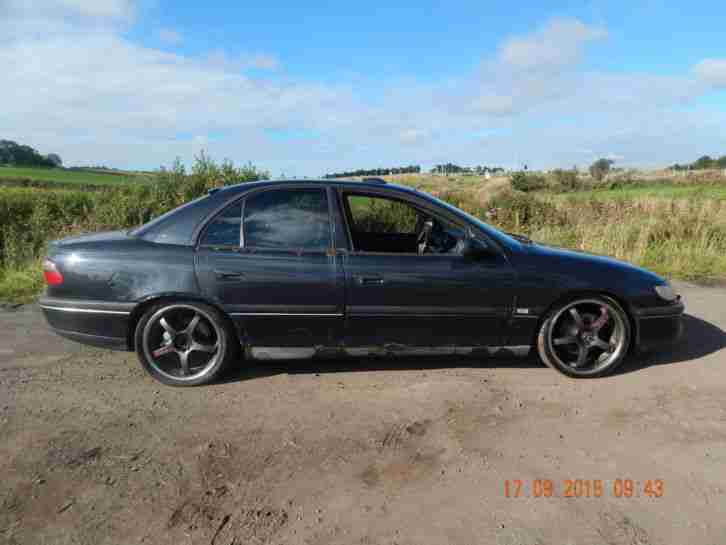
column 291, row 269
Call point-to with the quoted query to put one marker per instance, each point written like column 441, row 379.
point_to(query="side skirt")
column 389, row 350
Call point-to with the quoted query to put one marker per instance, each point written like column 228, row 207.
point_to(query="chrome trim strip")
column 281, row 353
column 86, row 310
column 283, row 314
column 387, row 350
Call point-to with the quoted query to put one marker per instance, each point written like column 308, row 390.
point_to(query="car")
column 301, row 268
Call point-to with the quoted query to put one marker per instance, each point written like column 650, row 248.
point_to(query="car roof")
column 366, row 182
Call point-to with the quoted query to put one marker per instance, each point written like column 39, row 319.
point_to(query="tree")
column 17, row 154
column 55, row 159
column 600, row 168
column 704, row 162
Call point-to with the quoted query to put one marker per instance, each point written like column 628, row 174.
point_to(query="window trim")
column 288, row 249
column 375, row 193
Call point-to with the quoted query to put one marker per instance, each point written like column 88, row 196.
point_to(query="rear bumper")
column 96, row 323
column 659, row 327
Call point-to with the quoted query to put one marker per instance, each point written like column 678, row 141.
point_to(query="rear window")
column 225, row 228
column 287, row 218
column 179, row 226
column 150, row 225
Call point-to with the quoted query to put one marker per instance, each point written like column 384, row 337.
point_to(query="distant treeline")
column 12, row 153
column 412, row 169
column 702, row 163
column 450, row 168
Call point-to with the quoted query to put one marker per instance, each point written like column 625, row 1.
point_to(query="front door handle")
column 228, row 275
column 370, row 280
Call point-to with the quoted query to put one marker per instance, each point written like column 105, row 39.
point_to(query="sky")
column 306, row 88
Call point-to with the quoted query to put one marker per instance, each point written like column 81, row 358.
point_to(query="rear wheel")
column 184, row 343
column 586, row 337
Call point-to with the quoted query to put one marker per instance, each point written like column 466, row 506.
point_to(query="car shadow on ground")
column 700, row 338
column 325, row 365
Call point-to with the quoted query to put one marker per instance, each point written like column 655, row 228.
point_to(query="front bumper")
column 95, row 323
column 659, row 327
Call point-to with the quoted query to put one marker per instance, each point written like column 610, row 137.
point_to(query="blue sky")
column 305, row 88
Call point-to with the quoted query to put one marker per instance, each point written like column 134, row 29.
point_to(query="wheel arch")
column 577, row 294
column 143, row 305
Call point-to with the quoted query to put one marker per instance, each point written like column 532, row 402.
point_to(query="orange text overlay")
column 583, row 488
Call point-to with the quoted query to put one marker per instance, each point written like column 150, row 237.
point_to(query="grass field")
column 657, row 190
column 69, row 176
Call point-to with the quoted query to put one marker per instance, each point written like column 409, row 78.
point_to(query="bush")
column 465, row 201
column 516, row 211
column 566, row 180
column 521, row 181
column 32, row 217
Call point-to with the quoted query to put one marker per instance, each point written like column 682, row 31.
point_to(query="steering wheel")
column 422, row 240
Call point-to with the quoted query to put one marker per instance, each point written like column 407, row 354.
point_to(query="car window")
column 385, row 225
column 224, row 229
column 287, row 218
column 381, row 215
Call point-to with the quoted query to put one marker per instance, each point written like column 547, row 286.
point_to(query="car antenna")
column 375, row 180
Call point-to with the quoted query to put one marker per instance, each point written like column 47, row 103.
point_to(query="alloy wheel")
column 587, row 336
column 182, row 342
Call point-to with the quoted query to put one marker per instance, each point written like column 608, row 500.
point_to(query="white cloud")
column 560, row 43
column 101, row 9
column 712, row 72
column 170, row 36
column 541, row 74
column 86, row 91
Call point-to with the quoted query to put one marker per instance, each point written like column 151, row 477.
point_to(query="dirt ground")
column 413, row 451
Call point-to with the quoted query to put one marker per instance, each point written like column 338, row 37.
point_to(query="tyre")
column 185, row 343
column 586, row 337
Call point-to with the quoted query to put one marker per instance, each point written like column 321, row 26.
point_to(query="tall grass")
column 674, row 237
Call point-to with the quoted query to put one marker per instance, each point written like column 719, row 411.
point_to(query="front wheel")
column 184, row 343
column 586, row 337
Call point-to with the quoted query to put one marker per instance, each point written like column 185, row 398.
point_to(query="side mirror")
column 475, row 249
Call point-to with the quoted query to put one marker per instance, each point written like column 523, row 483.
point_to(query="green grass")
column 658, row 190
column 21, row 284
column 67, row 176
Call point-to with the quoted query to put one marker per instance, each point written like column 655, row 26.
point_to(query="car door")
column 396, row 296
column 268, row 260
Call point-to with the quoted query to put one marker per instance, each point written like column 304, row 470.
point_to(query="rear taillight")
column 51, row 273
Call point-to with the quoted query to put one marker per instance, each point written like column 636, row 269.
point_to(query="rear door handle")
column 370, row 280
column 228, row 275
